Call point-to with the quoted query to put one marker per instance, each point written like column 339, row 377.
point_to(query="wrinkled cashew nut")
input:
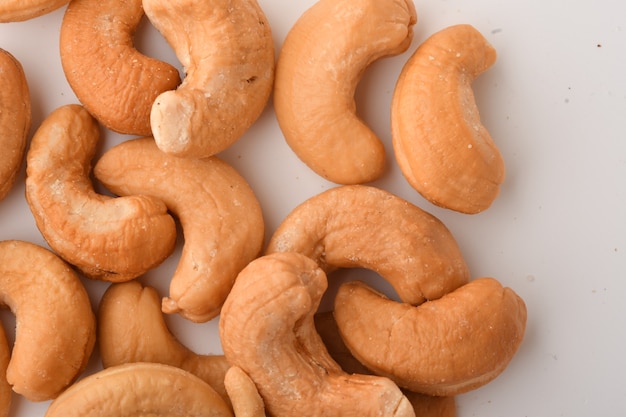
column 267, row 329
column 113, row 239
column 243, row 394
column 319, row 66
column 21, row 10
column 441, row 146
column 55, row 325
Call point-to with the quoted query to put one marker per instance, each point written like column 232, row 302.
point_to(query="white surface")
column 555, row 103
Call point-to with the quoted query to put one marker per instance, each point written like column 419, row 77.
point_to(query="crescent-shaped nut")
column 15, row 119
column 114, row 81
column 113, row 239
column 227, row 52
column 440, row 144
column 21, row 10
column 55, row 325
column 364, row 226
column 5, row 387
column 220, row 216
column 267, row 330
column 140, row 389
column 319, row 66
column 443, row 347
column 243, row 394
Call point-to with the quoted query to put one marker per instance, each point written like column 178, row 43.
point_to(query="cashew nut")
column 227, row 52
column 21, row 10
column 55, row 325
column 243, row 393
column 363, row 226
column 220, row 216
column 5, row 387
column 442, row 148
column 15, row 119
column 443, row 347
column 140, row 389
column 113, row 239
column 318, row 69
column 116, row 83
column 267, row 329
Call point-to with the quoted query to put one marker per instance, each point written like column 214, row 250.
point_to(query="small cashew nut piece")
column 55, row 325
column 21, row 10
column 319, row 66
column 443, row 347
column 243, row 394
column 5, row 387
column 227, row 52
column 441, row 146
column 113, row 239
column 140, row 389
column 363, row 226
column 267, row 330
column 114, row 81
column 218, row 211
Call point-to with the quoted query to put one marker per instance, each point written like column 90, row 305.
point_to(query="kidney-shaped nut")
column 55, row 325
column 227, row 52
column 140, row 389
column 5, row 387
column 113, row 239
column 364, row 226
column 320, row 64
column 15, row 119
column 21, row 10
column 441, row 146
column 114, row 81
column 243, row 394
column 221, row 219
column 443, row 347
column 267, row 330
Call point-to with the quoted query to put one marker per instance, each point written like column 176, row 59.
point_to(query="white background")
column 555, row 103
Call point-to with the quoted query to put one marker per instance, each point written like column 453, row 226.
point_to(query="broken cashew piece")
column 55, row 325
column 21, row 10
column 227, row 52
column 267, row 330
column 140, row 389
column 112, row 239
column 243, row 394
column 5, row 387
column 319, row 66
column 114, row 81
column 443, row 347
column 363, row 226
column 441, row 146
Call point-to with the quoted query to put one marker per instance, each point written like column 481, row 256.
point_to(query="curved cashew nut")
column 218, row 211
column 243, row 394
column 442, row 148
column 21, row 10
column 363, row 226
column 140, row 389
column 55, row 325
column 113, row 239
column 15, row 119
column 443, row 347
column 318, row 69
column 227, row 52
column 116, row 83
column 5, row 387
column 267, row 329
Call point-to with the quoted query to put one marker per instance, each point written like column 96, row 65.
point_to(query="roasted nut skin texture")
column 21, row 10
column 5, row 387
column 243, row 394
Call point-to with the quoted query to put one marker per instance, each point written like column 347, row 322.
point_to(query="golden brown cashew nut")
column 243, row 394
column 442, row 148
column 443, row 347
column 116, row 83
column 15, row 119
column 227, row 52
column 5, row 387
column 20, row 10
column 113, row 239
column 267, row 329
column 363, row 226
column 219, row 213
column 319, row 66
column 55, row 325
column 140, row 389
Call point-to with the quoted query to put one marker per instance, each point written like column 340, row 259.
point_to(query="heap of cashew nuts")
column 441, row 334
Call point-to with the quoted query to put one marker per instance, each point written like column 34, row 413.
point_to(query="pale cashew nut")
column 221, row 219
column 140, row 389
column 267, row 330
column 5, row 387
column 15, row 119
column 440, row 144
column 113, row 239
column 243, row 394
column 227, row 52
column 55, row 325
column 443, row 347
column 364, row 226
column 319, row 66
column 21, row 10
